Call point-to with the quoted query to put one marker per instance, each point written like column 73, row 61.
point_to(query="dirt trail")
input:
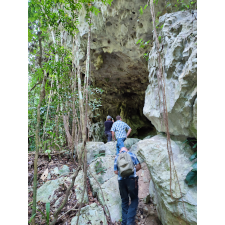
column 146, row 213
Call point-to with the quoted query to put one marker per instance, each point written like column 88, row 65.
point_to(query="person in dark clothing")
column 108, row 124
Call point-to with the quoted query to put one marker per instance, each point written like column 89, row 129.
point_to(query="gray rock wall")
column 155, row 155
column 179, row 40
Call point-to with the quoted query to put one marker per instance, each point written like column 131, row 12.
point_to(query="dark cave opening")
column 124, row 82
column 146, row 131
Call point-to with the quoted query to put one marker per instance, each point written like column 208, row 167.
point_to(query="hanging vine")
column 161, row 87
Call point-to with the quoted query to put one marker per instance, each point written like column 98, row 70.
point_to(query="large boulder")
column 179, row 40
column 143, row 182
column 79, row 187
column 46, row 192
column 110, row 148
column 93, row 149
column 90, row 214
column 108, row 183
column 170, row 211
column 130, row 141
column 110, row 190
column 63, row 171
column 104, row 164
column 134, row 149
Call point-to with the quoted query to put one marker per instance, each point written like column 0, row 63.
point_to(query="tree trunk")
column 37, row 147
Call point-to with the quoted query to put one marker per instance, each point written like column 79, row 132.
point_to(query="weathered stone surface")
column 143, row 181
column 111, row 194
column 193, row 127
column 117, row 63
column 130, row 141
column 148, row 137
column 179, row 40
column 79, row 186
column 91, row 213
column 134, row 149
column 46, row 192
column 110, row 148
column 107, row 163
column 64, row 170
column 154, row 153
column 93, row 148
column 109, row 185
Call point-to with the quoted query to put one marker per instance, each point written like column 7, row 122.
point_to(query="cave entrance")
column 123, row 80
column 146, row 131
column 134, row 117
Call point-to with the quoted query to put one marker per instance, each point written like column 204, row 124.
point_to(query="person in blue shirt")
column 119, row 127
column 128, row 186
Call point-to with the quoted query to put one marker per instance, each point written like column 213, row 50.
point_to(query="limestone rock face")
column 134, row 149
column 179, row 40
column 79, row 186
column 91, row 213
column 154, row 153
column 107, row 163
column 130, row 141
column 109, row 184
column 110, row 148
column 143, row 182
column 46, row 192
column 64, row 170
column 111, row 194
column 117, row 63
column 93, row 148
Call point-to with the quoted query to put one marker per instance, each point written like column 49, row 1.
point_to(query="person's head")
column 109, row 117
column 123, row 149
column 118, row 118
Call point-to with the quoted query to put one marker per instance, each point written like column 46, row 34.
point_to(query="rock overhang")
column 117, row 63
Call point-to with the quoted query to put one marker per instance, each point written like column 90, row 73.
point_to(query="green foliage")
column 181, row 5
column 48, row 151
column 168, row 4
column 142, row 43
column 46, row 217
column 191, row 177
column 194, row 156
column 47, row 206
column 99, row 155
column 99, row 168
column 141, row 10
column 146, row 56
column 159, row 38
column 158, row 13
column 156, row 23
column 31, row 218
column 194, row 167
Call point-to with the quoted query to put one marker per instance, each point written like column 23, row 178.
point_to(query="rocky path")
column 60, row 167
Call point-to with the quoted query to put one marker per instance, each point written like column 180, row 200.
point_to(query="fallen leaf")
column 44, row 175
